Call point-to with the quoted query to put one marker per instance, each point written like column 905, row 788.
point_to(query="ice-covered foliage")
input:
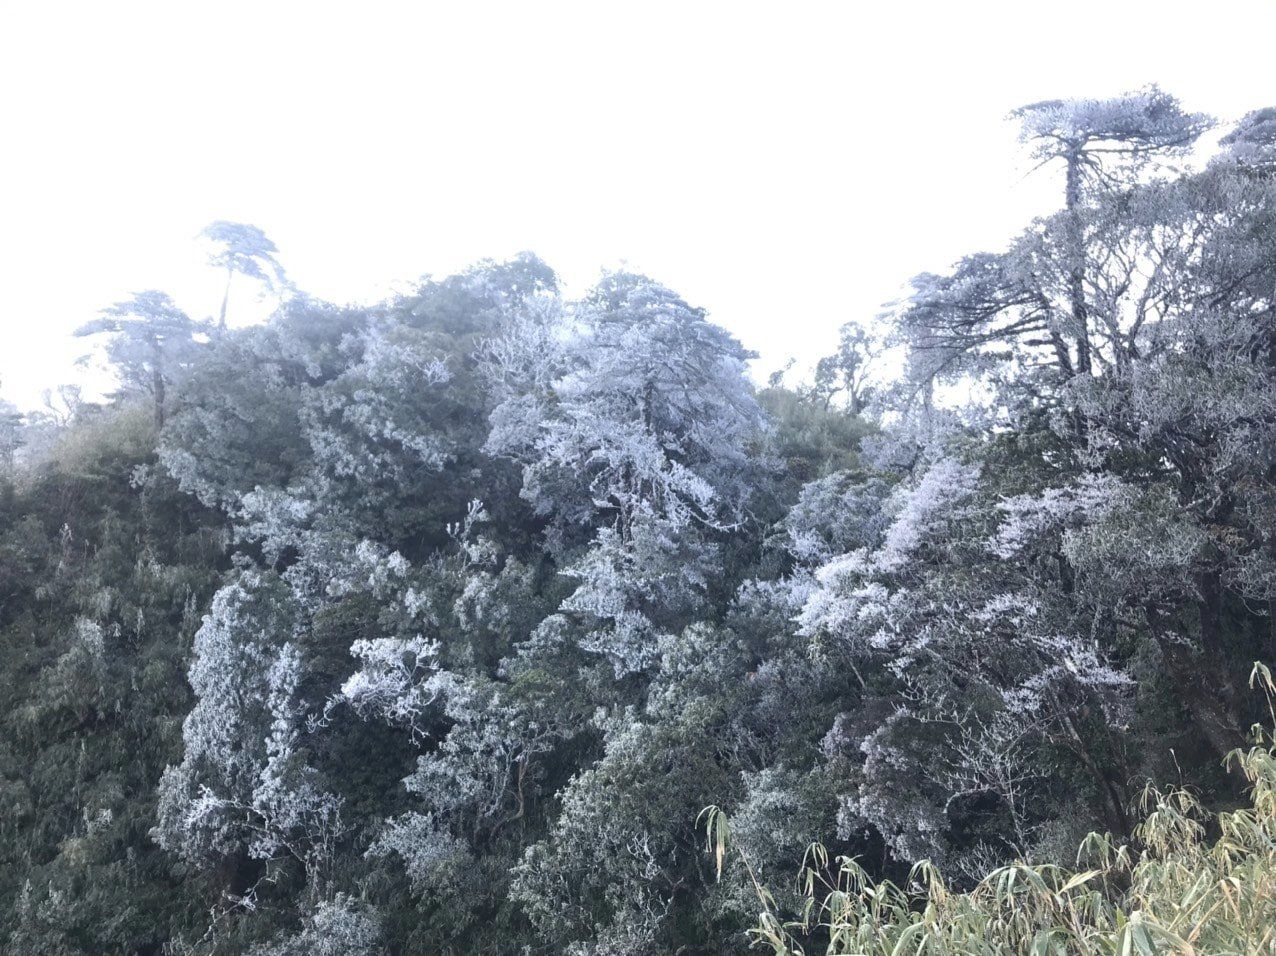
column 1144, row 121
column 836, row 515
column 640, row 426
column 1251, row 143
column 10, row 435
column 373, row 425
column 652, row 411
column 484, row 593
column 630, row 587
column 341, row 926
column 1031, row 517
column 242, row 248
column 607, row 877
column 396, row 679
column 478, row 779
column 150, row 343
column 243, row 784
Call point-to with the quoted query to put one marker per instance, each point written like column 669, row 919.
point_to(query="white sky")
column 786, row 165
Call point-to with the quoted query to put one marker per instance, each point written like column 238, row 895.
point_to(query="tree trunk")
column 157, row 383
column 1076, row 263
column 221, row 321
column 1111, row 789
column 1208, row 696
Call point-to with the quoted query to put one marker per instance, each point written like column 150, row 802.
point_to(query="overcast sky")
column 787, row 166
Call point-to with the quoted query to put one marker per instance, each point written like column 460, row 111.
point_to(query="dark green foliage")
column 106, row 571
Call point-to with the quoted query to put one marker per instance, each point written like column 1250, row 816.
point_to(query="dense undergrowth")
column 1188, row 883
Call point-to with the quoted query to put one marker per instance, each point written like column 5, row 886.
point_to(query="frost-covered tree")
column 1091, row 136
column 645, row 436
column 1251, row 143
column 1114, row 527
column 243, row 790
column 341, row 926
column 850, row 371
column 653, row 413
column 243, row 249
column 1062, row 299
column 239, row 421
column 973, row 653
column 151, row 341
column 612, row 875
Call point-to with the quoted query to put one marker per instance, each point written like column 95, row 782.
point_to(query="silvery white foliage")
column 243, row 672
column 630, row 584
column 477, row 774
column 475, row 781
column 695, row 664
column 834, row 515
column 1068, row 661
column 333, row 561
column 912, row 438
column 328, row 558
column 609, row 871
column 464, row 534
column 275, row 518
column 985, row 654
column 292, row 814
column 853, row 600
column 268, row 803
column 431, row 854
column 1251, row 143
column 653, row 411
column 464, row 586
column 79, row 673
column 642, row 424
column 340, row 926
column 191, row 470
column 234, row 650
column 531, row 352
column 244, row 249
column 1030, row 517
column 778, row 819
column 1160, row 266
column 237, row 424
column 894, row 796
column 1206, row 382
column 10, row 435
column 600, row 880
column 925, row 510
column 775, row 600
column 90, row 641
column 1254, row 575
column 151, row 343
column 370, row 424
column 484, row 601
column 1143, row 554
column 397, row 680
column 1132, row 126
column 368, row 567
column 520, row 367
column 632, row 931
column 787, row 682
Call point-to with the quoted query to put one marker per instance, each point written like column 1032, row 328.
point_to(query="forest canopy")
column 434, row 626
